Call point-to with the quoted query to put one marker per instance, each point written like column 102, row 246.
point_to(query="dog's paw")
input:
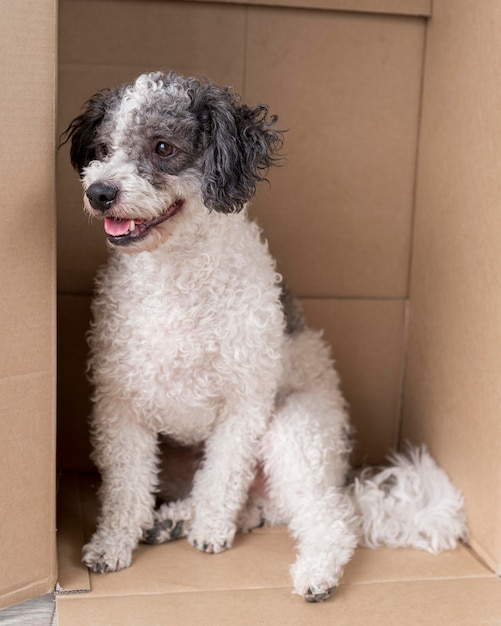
column 318, row 593
column 313, row 580
column 250, row 518
column 106, row 556
column 171, row 521
column 164, row 531
column 209, row 546
column 212, row 540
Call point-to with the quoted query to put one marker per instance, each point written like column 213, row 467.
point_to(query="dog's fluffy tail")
column 411, row 503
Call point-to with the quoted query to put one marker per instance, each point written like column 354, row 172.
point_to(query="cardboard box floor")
column 249, row 584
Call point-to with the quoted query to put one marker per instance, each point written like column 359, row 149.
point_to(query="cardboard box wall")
column 27, row 310
column 370, row 186
column 452, row 396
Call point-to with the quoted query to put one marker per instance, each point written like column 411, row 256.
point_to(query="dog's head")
column 149, row 149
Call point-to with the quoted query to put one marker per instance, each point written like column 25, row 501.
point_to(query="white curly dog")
column 195, row 338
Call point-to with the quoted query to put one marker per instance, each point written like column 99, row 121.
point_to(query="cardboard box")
column 27, row 313
column 391, row 193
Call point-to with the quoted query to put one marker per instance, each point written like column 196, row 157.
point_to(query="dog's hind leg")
column 305, row 454
column 125, row 454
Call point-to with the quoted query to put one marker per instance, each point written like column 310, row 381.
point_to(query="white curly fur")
column 410, row 503
column 189, row 340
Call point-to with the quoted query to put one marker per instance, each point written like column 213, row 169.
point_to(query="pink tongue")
column 116, row 227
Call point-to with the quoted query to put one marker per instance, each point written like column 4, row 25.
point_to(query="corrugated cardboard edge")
column 32, row 590
column 484, row 557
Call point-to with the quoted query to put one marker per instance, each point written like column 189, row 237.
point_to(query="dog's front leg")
column 126, row 455
column 221, row 485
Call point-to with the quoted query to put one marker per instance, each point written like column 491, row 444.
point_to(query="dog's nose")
column 101, row 195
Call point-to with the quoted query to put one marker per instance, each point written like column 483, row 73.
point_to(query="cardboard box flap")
column 27, row 313
column 27, row 509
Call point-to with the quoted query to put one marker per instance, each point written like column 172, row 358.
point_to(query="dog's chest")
column 159, row 321
column 167, row 334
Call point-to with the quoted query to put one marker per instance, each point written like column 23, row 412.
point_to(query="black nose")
column 101, row 195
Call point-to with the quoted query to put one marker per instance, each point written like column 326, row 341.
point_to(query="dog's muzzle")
column 120, row 230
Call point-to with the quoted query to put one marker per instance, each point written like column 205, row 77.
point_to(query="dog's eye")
column 164, row 149
column 101, row 151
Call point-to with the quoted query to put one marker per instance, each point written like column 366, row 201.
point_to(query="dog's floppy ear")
column 82, row 130
column 240, row 147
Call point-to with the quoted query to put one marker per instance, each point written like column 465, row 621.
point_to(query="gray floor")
column 37, row 612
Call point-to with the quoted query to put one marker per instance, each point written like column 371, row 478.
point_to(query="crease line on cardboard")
column 44, row 372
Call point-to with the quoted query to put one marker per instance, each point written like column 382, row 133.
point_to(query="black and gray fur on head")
column 207, row 128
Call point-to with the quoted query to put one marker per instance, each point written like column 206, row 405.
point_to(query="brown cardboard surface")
column 27, row 240
column 367, row 337
column 462, row 602
column 180, row 35
column 338, row 214
column 27, row 313
column 452, row 396
column 27, row 509
column 249, row 584
column 262, row 560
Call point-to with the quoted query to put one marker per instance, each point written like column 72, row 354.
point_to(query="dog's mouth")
column 122, row 231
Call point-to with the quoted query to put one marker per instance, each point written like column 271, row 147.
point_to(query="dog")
column 195, row 338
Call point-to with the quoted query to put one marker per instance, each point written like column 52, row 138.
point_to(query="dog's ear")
column 240, row 146
column 82, row 130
